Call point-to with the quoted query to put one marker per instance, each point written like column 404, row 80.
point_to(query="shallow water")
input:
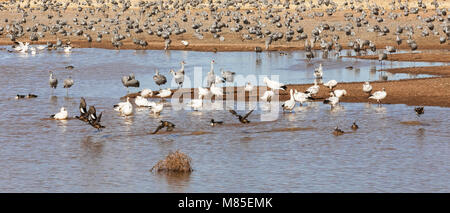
column 393, row 151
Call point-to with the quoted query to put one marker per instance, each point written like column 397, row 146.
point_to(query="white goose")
column 332, row 100
column 143, row 102
column 156, row 110
column 289, row 104
column 125, row 108
column 67, row 49
column 379, row 95
column 61, row 115
column 185, row 43
column 301, row 97
column 196, row 104
column 164, row 93
column 367, row 88
column 202, row 92
column 274, row 84
column 217, row 91
column 331, row 84
column 267, row 96
column 340, row 92
column 313, row 90
column 248, row 87
column 146, row 93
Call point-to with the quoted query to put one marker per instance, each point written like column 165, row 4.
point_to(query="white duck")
column 143, row 102
column 67, row 49
column 340, row 92
column 125, row 108
column 267, row 96
column 289, row 104
column 274, row 84
column 379, row 95
column 331, row 84
column 301, row 97
column 61, row 115
column 367, row 88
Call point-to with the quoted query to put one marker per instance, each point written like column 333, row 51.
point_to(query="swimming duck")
column 169, row 126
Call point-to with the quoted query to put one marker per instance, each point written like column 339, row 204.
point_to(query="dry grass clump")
column 174, row 162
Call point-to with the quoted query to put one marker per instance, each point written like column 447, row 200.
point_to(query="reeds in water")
column 174, row 162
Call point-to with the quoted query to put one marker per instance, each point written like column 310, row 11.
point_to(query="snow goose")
column 125, row 108
column 146, row 93
column 165, row 93
column 367, row 88
column 185, row 43
column 248, row 87
column 217, row 91
column 379, row 95
column 289, row 104
column 340, row 92
column 313, row 90
column 267, row 96
column 331, row 84
column 228, row 76
column 202, row 92
column 61, row 115
column 274, row 84
column 196, row 104
column 143, row 102
column 301, row 97
column 67, row 49
column 157, row 109
column 332, row 100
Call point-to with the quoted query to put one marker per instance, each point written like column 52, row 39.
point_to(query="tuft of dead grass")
column 174, row 162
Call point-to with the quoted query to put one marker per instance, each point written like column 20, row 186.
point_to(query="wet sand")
column 417, row 56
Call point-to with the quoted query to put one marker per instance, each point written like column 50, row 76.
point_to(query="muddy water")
column 393, row 151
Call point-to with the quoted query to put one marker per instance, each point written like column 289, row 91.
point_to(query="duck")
column 215, row 123
column 168, row 125
column 242, row 119
column 354, row 126
column 338, row 131
column 61, row 115
column 419, row 110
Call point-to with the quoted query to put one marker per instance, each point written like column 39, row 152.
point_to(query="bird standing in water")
column 354, row 126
